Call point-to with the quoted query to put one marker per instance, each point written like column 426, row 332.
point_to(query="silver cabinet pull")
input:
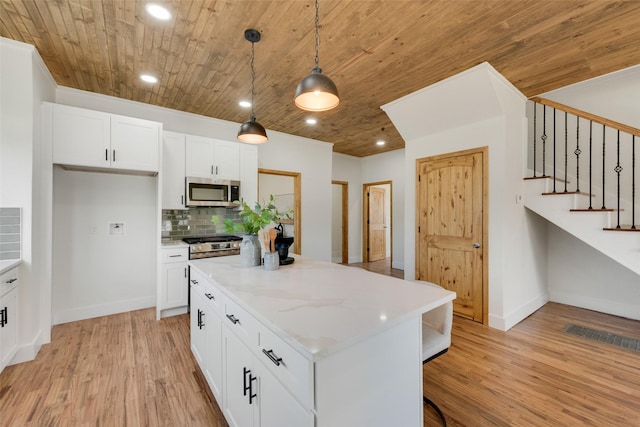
column 271, row 355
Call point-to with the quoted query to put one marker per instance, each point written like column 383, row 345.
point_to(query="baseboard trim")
column 173, row 312
column 516, row 316
column 27, row 352
column 99, row 310
column 615, row 308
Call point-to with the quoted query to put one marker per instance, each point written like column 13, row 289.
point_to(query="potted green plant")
column 251, row 221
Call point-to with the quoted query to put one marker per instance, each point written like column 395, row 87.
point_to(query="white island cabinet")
column 8, row 312
column 313, row 343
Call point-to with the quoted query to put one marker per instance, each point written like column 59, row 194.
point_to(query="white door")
column 173, row 170
column 227, row 161
column 213, row 369
column 81, row 137
column 175, row 285
column 198, row 333
column 278, row 408
column 240, row 382
column 135, row 144
column 199, row 157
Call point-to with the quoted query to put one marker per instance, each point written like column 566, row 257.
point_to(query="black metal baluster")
column 577, row 153
column 633, row 182
column 565, row 152
column 554, row 149
column 603, row 158
column 618, row 169
column 535, row 109
column 590, row 160
column 544, row 139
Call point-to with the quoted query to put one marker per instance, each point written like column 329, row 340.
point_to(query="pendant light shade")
column 252, row 132
column 316, row 92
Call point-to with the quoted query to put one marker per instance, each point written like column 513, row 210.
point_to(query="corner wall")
column 24, row 182
column 488, row 111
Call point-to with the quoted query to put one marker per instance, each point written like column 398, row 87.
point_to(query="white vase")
column 250, row 250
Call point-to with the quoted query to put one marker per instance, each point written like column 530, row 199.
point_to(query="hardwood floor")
column 382, row 267
column 131, row 370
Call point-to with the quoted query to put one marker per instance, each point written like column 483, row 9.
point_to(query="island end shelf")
column 310, row 344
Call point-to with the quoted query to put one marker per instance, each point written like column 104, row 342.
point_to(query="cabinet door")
column 200, row 152
column 175, row 285
column 81, row 137
column 227, row 163
column 213, row 370
column 278, row 408
column 9, row 331
column 240, row 382
column 249, row 173
column 198, row 323
column 135, row 144
column 173, row 170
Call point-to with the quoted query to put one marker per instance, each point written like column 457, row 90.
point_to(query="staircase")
column 582, row 177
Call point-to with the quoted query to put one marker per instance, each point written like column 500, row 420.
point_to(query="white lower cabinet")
column 173, row 289
column 252, row 395
column 225, row 341
column 8, row 316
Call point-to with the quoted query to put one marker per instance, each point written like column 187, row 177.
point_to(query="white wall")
column 283, row 152
column 613, row 96
column 24, row 84
column 611, row 288
column 96, row 273
column 389, row 166
column 349, row 169
column 493, row 116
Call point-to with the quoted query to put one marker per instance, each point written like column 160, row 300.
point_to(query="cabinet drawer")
column 290, row 367
column 8, row 281
column 175, row 254
column 213, row 296
column 241, row 323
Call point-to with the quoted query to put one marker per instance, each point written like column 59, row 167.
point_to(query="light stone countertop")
column 8, row 264
column 171, row 244
column 319, row 307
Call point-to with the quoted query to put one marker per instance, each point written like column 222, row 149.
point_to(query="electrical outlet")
column 116, row 229
column 519, row 199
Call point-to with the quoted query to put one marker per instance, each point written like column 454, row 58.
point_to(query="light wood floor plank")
column 130, row 370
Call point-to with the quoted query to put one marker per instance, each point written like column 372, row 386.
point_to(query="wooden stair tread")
column 593, row 210
column 622, row 228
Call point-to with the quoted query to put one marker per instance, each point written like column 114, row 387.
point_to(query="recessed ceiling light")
column 244, row 104
column 158, row 11
column 311, row 121
column 148, row 78
column 381, row 142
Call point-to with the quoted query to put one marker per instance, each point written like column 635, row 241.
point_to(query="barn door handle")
column 475, row 245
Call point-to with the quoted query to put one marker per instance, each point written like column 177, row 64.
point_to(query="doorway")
column 451, row 243
column 340, row 222
column 285, row 187
column 376, row 222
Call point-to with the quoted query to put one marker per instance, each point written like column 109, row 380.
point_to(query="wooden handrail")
column 594, row 118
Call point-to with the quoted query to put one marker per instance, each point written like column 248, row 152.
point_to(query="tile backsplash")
column 177, row 224
column 10, row 233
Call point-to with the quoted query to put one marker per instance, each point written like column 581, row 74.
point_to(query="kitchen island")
column 312, row 343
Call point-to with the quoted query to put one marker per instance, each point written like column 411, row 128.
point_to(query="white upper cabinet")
column 81, row 137
column 212, row 158
column 134, row 144
column 173, row 170
column 94, row 139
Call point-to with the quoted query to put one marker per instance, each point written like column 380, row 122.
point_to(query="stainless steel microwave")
column 210, row 192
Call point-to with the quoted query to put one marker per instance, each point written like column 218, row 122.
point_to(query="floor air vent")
column 604, row 337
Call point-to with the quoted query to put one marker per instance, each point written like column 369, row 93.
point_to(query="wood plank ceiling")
column 375, row 51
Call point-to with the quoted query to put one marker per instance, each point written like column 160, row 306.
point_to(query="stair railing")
column 612, row 140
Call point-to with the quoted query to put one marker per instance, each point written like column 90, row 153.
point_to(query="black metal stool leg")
column 434, row 406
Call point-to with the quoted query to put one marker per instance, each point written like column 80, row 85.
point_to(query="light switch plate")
column 116, row 229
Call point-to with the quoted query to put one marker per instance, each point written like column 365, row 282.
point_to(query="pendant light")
column 251, row 131
column 317, row 92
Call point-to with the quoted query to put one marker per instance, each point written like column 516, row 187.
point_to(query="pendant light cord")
column 253, row 78
column 317, row 24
